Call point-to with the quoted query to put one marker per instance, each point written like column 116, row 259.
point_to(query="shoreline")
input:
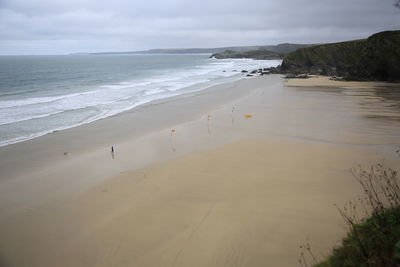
column 251, row 170
column 108, row 129
column 42, row 164
column 29, row 114
column 219, row 86
column 325, row 81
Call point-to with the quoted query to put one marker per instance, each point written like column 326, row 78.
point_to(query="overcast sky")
column 67, row 26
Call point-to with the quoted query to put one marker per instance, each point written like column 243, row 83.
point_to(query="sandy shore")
column 223, row 189
column 325, row 81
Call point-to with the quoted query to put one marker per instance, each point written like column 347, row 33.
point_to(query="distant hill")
column 375, row 58
column 286, row 47
column 254, row 54
column 260, row 52
column 280, row 48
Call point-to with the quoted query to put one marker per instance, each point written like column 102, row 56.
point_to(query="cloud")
column 65, row 26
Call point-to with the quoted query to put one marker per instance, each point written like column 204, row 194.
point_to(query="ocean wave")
column 63, row 111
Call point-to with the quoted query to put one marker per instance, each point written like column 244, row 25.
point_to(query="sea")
column 43, row 94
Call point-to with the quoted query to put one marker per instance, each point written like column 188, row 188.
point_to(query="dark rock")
column 274, row 70
column 334, row 78
column 291, row 76
column 244, row 71
column 297, row 76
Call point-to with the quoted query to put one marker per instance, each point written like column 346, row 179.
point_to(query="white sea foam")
column 26, row 118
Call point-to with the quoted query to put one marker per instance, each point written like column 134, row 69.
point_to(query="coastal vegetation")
column 373, row 238
column 375, row 58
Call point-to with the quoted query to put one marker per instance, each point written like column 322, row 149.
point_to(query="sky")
column 71, row 26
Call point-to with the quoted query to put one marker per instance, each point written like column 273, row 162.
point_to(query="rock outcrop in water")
column 375, row 58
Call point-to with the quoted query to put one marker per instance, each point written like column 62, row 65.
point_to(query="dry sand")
column 222, row 190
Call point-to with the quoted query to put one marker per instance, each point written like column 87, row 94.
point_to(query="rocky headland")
column 375, row 58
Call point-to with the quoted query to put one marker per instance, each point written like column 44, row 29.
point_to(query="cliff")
column 375, row 58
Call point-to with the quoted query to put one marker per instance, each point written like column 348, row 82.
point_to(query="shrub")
column 374, row 223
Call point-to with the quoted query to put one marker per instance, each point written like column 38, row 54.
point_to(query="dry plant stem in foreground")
column 307, row 257
column 373, row 222
column 381, row 188
column 374, row 235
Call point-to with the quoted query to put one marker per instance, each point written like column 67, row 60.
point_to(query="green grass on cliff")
column 371, row 243
column 375, row 58
column 373, row 240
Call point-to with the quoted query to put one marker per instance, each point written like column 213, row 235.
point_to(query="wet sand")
column 221, row 190
column 325, row 81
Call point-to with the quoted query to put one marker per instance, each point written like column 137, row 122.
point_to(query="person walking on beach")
column 112, row 152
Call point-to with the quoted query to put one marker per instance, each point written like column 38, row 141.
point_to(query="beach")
column 241, row 174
